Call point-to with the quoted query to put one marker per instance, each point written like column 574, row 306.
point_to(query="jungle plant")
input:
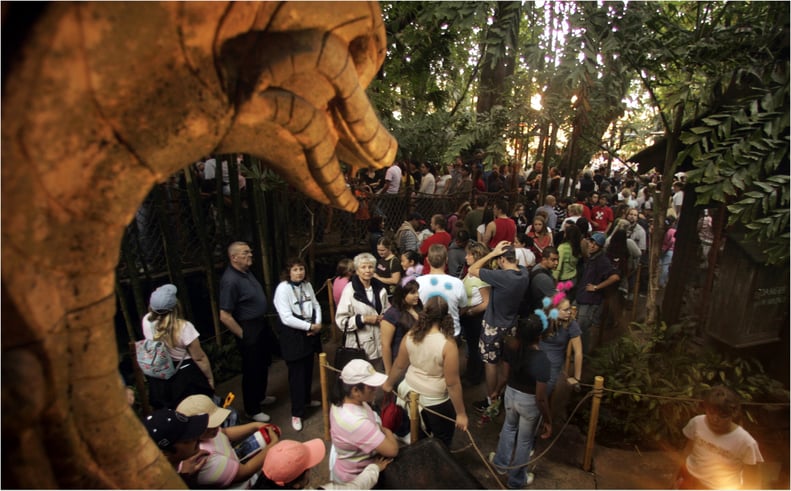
column 666, row 362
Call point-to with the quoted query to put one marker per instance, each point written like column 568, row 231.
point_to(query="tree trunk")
column 495, row 69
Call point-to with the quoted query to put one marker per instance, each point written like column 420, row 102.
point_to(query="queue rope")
column 538, row 457
column 681, row 399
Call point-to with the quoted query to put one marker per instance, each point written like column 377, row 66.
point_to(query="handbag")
column 344, row 355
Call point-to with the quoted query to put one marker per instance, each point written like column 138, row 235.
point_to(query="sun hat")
column 361, row 372
column 202, row 404
column 286, row 460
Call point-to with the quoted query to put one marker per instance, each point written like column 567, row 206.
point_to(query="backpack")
column 154, row 359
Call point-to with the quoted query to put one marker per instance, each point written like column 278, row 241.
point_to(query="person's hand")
column 547, row 427
column 572, row 381
column 273, row 435
column 130, row 396
column 590, row 287
column 382, row 462
column 387, row 387
column 314, row 329
column 191, row 465
column 500, row 247
column 462, row 421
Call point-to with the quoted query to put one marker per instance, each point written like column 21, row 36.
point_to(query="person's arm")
column 239, row 432
column 200, row 358
column 489, row 231
column 399, row 367
column 450, row 368
column 543, row 406
column 475, row 268
column 248, row 469
column 485, row 292
column 283, row 300
column 387, row 330
column 576, row 348
column 389, row 446
column 613, row 278
column 394, row 279
column 501, row 381
column 228, row 321
column 316, row 305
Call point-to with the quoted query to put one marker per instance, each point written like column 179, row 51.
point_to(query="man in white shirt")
column 436, row 282
column 392, row 180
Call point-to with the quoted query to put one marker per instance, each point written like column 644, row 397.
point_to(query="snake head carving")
column 100, row 101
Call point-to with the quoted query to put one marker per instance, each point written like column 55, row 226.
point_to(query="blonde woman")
column 164, row 323
column 471, row 316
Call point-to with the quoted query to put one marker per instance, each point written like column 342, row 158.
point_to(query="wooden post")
column 598, row 384
column 331, row 302
column 325, row 403
column 414, row 417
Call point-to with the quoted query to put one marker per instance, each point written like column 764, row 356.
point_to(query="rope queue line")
column 596, row 392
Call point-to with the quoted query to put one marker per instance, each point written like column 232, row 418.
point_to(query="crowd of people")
column 486, row 297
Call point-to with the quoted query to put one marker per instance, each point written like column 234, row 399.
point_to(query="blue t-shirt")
column 554, row 345
column 507, row 293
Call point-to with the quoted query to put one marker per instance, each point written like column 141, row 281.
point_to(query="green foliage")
column 226, row 359
column 664, row 361
column 741, row 153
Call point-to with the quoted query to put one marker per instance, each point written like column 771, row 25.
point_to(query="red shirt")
column 586, row 212
column 441, row 237
column 505, row 229
column 601, row 218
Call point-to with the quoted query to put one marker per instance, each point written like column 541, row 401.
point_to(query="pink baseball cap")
column 288, row 459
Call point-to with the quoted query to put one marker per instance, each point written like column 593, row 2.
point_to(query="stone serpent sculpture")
column 101, row 101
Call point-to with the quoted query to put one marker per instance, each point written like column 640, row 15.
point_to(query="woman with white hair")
column 361, row 309
column 164, row 322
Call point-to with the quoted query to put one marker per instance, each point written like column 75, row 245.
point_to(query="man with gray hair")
column 242, row 309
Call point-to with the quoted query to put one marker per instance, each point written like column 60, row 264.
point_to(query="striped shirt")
column 221, row 465
column 355, row 435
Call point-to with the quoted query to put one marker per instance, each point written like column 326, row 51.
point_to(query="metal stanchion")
column 325, row 404
column 598, row 384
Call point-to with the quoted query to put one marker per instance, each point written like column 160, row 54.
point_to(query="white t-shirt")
column 427, row 184
column 393, row 175
column 448, row 287
column 187, row 335
column 717, row 460
column 525, row 257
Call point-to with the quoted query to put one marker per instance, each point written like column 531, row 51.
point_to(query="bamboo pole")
column 200, row 227
column 171, row 247
column 331, row 302
column 636, row 293
column 259, row 209
column 134, row 279
column 414, row 418
column 325, row 404
column 598, row 385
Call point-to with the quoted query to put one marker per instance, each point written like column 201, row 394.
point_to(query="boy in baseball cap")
column 177, row 436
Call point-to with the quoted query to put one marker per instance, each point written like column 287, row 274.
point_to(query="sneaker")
column 260, row 417
column 496, row 469
column 268, row 400
column 481, row 406
column 494, row 408
column 296, row 423
column 530, row 478
column 314, row 404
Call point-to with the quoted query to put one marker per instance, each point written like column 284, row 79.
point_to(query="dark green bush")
column 665, row 361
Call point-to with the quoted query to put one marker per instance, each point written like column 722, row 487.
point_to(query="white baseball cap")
column 361, row 372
